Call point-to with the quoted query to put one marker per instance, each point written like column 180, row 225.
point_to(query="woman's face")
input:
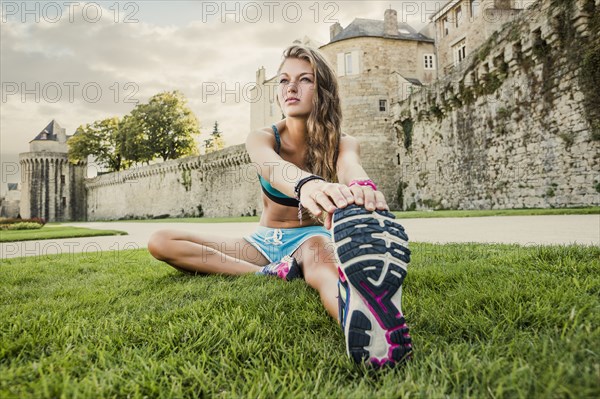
column 296, row 87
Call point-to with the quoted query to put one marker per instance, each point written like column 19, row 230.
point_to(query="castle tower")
column 378, row 63
column 52, row 187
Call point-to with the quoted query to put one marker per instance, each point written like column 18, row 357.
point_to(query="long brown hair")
column 324, row 122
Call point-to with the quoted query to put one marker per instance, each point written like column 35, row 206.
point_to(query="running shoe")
column 372, row 250
column 287, row 268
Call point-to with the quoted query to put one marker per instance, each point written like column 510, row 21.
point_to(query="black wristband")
column 302, row 182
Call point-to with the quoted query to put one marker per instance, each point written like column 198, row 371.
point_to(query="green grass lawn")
column 54, row 231
column 497, row 321
column 399, row 214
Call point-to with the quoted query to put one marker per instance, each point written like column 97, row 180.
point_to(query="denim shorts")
column 274, row 244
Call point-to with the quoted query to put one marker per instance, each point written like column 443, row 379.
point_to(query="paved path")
column 525, row 230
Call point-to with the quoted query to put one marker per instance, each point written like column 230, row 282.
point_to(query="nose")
column 291, row 86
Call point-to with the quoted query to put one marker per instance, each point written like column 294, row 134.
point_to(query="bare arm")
column 348, row 163
column 281, row 174
column 349, row 168
column 316, row 195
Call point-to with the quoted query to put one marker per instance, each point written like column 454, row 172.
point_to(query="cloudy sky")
column 85, row 61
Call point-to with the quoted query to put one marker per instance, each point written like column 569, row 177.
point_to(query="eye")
column 283, row 80
column 307, row 79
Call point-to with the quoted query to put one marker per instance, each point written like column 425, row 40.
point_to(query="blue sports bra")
column 272, row 193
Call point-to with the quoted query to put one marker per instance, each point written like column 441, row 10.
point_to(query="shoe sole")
column 372, row 250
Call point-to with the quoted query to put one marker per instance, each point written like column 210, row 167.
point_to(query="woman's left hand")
column 363, row 196
column 369, row 198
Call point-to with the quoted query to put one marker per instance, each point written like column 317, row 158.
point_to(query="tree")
column 104, row 139
column 136, row 146
column 215, row 142
column 165, row 127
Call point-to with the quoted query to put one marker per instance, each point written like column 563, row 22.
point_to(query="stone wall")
column 222, row 183
column 9, row 208
column 516, row 125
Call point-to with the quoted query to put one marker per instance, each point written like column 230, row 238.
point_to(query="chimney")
column 390, row 23
column 60, row 132
column 260, row 75
column 334, row 30
column 62, row 135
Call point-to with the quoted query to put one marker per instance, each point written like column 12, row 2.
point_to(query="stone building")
column 52, row 187
column 378, row 62
column 461, row 26
column 9, row 204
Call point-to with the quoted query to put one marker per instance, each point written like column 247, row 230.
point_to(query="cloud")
column 133, row 61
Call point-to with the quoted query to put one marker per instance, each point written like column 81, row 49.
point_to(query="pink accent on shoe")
column 392, row 346
column 378, row 362
column 282, row 272
column 341, row 273
column 373, row 312
column 389, row 340
column 377, row 298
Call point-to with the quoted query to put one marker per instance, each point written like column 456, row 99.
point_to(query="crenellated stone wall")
column 516, row 125
column 222, row 183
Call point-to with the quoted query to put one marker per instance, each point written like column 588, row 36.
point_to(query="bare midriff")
column 283, row 217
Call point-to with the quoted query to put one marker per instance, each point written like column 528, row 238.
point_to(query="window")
column 445, row 26
column 382, row 105
column 348, row 63
column 62, row 179
column 63, row 202
column 474, row 8
column 458, row 15
column 460, row 51
column 428, row 61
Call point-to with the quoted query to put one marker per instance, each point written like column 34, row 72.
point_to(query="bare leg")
column 317, row 259
column 198, row 253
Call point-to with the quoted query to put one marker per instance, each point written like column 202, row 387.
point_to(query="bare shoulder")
column 263, row 134
column 261, row 138
column 263, row 131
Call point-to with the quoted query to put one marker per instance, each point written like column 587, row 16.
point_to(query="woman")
column 323, row 218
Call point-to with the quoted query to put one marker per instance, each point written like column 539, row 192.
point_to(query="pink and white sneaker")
column 287, row 269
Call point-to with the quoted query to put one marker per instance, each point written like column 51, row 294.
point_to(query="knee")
column 318, row 262
column 158, row 243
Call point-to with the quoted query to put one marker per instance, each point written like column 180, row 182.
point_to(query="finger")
column 327, row 223
column 323, row 201
column 312, row 206
column 336, row 195
column 347, row 193
column 359, row 198
column 369, row 194
column 380, row 202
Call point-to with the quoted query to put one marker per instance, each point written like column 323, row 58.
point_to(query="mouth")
column 292, row 100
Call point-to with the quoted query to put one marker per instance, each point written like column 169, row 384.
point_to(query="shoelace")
column 275, row 238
